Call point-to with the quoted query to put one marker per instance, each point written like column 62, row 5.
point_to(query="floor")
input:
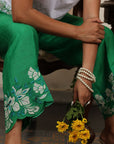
column 43, row 129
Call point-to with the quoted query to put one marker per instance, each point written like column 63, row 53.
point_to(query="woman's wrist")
column 86, row 77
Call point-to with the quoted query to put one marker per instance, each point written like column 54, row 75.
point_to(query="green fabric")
column 70, row 51
column 25, row 92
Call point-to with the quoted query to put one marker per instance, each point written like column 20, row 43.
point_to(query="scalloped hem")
column 31, row 116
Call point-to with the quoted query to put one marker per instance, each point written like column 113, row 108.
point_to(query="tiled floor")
column 42, row 129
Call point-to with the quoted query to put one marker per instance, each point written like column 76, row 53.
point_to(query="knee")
column 27, row 31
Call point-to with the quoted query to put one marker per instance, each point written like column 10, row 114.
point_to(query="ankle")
column 103, row 135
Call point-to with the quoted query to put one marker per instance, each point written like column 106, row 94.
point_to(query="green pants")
column 25, row 92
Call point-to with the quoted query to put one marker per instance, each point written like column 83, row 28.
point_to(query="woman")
column 23, row 28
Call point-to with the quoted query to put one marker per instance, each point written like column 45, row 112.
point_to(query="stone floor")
column 43, row 129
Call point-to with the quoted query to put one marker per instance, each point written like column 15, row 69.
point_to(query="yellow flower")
column 84, row 120
column 78, row 125
column 73, row 136
column 62, row 126
column 83, row 141
column 84, row 135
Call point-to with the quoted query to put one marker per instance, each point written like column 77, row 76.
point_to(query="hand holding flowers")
column 75, row 124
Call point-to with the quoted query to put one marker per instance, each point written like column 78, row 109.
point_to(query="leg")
column 70, row 51
column 25, row 92
column 107, row 134
column 14, row 136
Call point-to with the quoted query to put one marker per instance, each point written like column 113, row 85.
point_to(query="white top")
column 55, row 9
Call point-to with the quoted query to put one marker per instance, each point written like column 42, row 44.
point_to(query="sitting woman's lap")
column 69, row 50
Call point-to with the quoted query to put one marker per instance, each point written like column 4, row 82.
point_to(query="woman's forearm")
column 91, row 9
column 23, row 12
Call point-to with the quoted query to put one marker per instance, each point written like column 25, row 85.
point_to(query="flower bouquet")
column 74, row 124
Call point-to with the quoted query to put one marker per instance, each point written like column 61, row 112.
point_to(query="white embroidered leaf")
column 25, row 91
column 25, row 100
column 19, row 92
column 43, row 96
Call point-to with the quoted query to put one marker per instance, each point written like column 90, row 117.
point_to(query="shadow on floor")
column 42, row 130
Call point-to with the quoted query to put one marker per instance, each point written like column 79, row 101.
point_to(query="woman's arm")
column 23, row 12
column 90, row 10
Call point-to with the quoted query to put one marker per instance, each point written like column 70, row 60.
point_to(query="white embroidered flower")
column 33, row 74
column 33, row 109
column 24, row 101
column 39, row 88
column 111, row 77
column 100, row 99
column 30, row 72
column 7, row 112
column 5, row 6
column 21, row 95
column 8, row 124
column 108, row 92
column 11, row 104
column 8, row 100
column 108, row 111
column 16, row 107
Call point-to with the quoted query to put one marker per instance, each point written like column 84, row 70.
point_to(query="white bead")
column 85, row 84
column 83, row 76
column 88, row 73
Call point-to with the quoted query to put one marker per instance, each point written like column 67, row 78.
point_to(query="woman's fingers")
column 102, row 32
column 101, row 27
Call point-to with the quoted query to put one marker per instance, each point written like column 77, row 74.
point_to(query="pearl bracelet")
column 88, row 73
column 83, row 76
column 85, row 84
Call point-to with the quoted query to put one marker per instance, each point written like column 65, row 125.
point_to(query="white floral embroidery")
column 100, row 99
column 21, row 95
column 33, row 74
column 43, row 96
column 21, row 102
column 8, row 123
column 8, row 102
column 32, row 109
column 110, row 92
column 5, row 6
column 12, row 104
column 108, row 111
column 24, row 101
column 39, row 88
column 111, row 78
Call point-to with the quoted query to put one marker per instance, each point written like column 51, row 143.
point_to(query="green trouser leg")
column 25, row 92
column 70, row 51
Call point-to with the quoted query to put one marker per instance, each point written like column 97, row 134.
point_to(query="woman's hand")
column 91, row 31
column 82, row 93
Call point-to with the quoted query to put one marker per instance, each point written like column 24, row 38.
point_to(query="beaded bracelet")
column 89, row 76
column 85, row 84
column 88, row 73
column 83, row 76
